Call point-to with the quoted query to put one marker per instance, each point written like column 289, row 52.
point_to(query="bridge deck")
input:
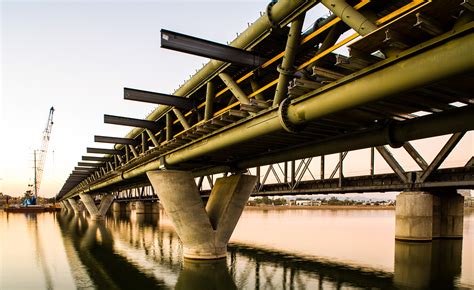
column 335, row 103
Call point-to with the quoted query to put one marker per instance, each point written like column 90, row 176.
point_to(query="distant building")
column 307, row 202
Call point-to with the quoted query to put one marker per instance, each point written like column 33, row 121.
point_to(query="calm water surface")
column 270, row 249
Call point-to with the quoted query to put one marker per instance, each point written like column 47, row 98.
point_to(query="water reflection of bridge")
column 143, row 252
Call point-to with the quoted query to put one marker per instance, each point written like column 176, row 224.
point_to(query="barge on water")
column 31, row 209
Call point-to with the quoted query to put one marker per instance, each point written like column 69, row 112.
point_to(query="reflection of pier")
column 153, row 250
column 93, row 244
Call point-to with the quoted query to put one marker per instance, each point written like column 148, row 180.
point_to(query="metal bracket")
column 283, row 117
column 287, row 72
column 269, row 14
column 389, row 135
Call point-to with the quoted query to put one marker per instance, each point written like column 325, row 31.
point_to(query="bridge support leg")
column 66, row 205
column 97, row 213
column 74, row 205
column 204, row 232
column 422, row 216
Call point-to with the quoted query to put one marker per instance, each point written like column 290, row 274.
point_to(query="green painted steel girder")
column 282, row 12
column 440, row 58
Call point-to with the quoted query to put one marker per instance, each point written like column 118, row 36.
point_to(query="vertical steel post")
column 169, row 124
column 341, row 162
column 285, row 172
column 372, row 161
column 209, row 108
column 258, row 177
column 286, row 68
column 127, row 155
column 322, row 167
column 293, row 173
column 144, row 142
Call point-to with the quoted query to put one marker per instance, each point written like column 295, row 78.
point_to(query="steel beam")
column 89, row 164
column 209, row 108
column 353, row 18
column 442, row 155
column 201, row 47
column 103, row 151
column 124, row 121
column 87, row 169
column 152, row 137
column 282, row 12
column 114, row 140
column 157, row 98
column 234, row 88
column 415, row 155
column 181, row 118
column 393, row 163
column 286, row 69
column 422, row 65
column 94, row 158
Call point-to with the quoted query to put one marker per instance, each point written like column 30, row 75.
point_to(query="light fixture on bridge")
column 157, row 98
column 197, row 46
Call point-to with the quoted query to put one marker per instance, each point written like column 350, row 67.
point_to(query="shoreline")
column 321, row 207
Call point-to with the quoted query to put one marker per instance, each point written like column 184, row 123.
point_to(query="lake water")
column 270, row 249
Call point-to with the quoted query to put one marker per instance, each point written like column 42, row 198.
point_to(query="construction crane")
column 41, row 156
column 40, row 159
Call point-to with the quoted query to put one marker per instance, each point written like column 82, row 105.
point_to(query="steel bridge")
column 278, row 94
column 277, row 98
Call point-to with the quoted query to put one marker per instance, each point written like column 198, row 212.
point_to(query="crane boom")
column 41, row 157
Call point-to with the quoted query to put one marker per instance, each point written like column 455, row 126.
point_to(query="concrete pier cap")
column 204, row 231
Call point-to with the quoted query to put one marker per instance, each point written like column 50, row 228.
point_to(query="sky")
column 78, row 55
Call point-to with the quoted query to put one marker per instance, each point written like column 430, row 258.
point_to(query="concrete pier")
column 66, row 205
column 204, row 232
column 423, row 216
column 97, row 213
column 75, row 207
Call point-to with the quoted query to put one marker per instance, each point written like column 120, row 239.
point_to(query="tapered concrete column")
column 97, row 213
column 204, row 232
column 139, row 207
column 105, row 202
column 67, row 206
column 414, row 216
column 89, row 203
column 74, row 205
